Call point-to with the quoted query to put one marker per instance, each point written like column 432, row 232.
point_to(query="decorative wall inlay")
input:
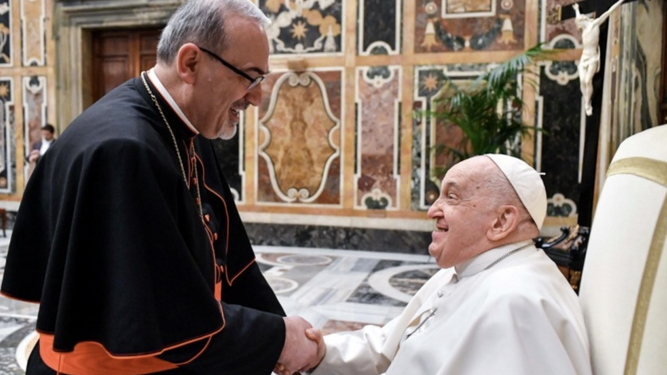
column 379, row 27
column 7, row 146
column 429, row 132
column 562, row 120
column 560, row 206
column 32, row 42
column 231, row 157
column 378, row 137
column 34, row 108
column 548, row 31
column 469, row 25
column 468, row 8
column 300, row 137
column 304, row 26
column 5, row 33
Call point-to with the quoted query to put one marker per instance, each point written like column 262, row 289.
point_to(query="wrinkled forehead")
column 470, row 172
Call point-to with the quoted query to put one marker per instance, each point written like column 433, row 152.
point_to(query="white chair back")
column 624, row 281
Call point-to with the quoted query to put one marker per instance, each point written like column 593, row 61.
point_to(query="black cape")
column 108, row 240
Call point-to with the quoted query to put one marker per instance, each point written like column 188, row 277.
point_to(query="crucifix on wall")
column 594, row 43
column 589, row 64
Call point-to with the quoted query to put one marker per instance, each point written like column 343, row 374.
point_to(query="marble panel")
column 561, row 118
column 33, row 32
column 564, row 29
column 432, row 136
column 231, row 158
column 7, row 140
column 327, row 237
column 469, row 25
column 379, row 27
column 299, row 139
column 639, row 68
column 34, row 110
column 5, row 33
column 378, row 137
column 305, row 27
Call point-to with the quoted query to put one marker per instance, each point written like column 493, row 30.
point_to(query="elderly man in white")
column 498, row 306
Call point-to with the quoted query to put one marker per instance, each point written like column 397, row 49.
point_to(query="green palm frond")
column 488, row 111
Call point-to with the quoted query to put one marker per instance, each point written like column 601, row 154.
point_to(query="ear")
column 188, row 62
column 504, row 224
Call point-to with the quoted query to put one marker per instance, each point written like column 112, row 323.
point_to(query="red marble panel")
column 378, row 122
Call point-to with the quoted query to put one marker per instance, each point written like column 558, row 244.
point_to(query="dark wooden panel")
column 119, row 55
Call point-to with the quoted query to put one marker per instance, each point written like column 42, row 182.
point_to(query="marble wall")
column 27, row 80
column 338, row 144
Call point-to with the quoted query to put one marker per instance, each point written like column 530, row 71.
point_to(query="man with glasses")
column 498, row 306
column 128, row 235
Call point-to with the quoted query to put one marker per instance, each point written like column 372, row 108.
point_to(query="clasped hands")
column 304, row 347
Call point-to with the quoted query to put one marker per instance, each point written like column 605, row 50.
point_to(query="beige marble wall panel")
column 300, row 140
column 32, row 21
column 378, row 122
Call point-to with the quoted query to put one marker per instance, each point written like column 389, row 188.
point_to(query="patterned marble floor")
column 333, row 289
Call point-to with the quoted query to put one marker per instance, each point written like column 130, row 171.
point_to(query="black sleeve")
column 251, row 289
column 249, row 344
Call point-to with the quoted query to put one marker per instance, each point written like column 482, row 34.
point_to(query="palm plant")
column 488, row 111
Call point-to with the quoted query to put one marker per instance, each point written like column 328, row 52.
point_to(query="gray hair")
column 202, row 22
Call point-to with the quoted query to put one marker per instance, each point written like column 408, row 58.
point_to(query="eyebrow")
column 452, row 184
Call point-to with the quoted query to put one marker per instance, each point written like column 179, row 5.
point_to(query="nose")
column 435, row 211
column 254, row 95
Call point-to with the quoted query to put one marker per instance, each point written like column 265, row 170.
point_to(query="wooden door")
column 119, row 55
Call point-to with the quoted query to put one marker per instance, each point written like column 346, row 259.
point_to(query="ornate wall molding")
column 300, row 145
column 7, row 143
column 378, row 105
column 379, row 27
column 5, row 33
column 33, row 44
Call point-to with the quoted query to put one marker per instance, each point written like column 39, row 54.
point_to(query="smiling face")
column 463, row 214
column 221, row 93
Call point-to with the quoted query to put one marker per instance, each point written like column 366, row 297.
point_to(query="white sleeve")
column 358, row 352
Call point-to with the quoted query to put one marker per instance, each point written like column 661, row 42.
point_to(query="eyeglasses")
column 253, row 81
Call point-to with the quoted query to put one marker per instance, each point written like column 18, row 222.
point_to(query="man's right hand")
column 316, row 336
column 299, row 351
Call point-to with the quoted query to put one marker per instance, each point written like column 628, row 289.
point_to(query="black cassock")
column 109, row 241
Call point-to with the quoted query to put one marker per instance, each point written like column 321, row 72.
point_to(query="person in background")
column 39, row 148
column 136, row 252
column 498, row 306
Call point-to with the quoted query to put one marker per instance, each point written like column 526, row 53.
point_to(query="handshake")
column 304, row 347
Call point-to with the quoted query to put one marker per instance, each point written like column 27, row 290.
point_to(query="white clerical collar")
column 482, row 261
column 165, row 94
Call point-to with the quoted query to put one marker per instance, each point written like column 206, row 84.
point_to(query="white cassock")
column 520, row 316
